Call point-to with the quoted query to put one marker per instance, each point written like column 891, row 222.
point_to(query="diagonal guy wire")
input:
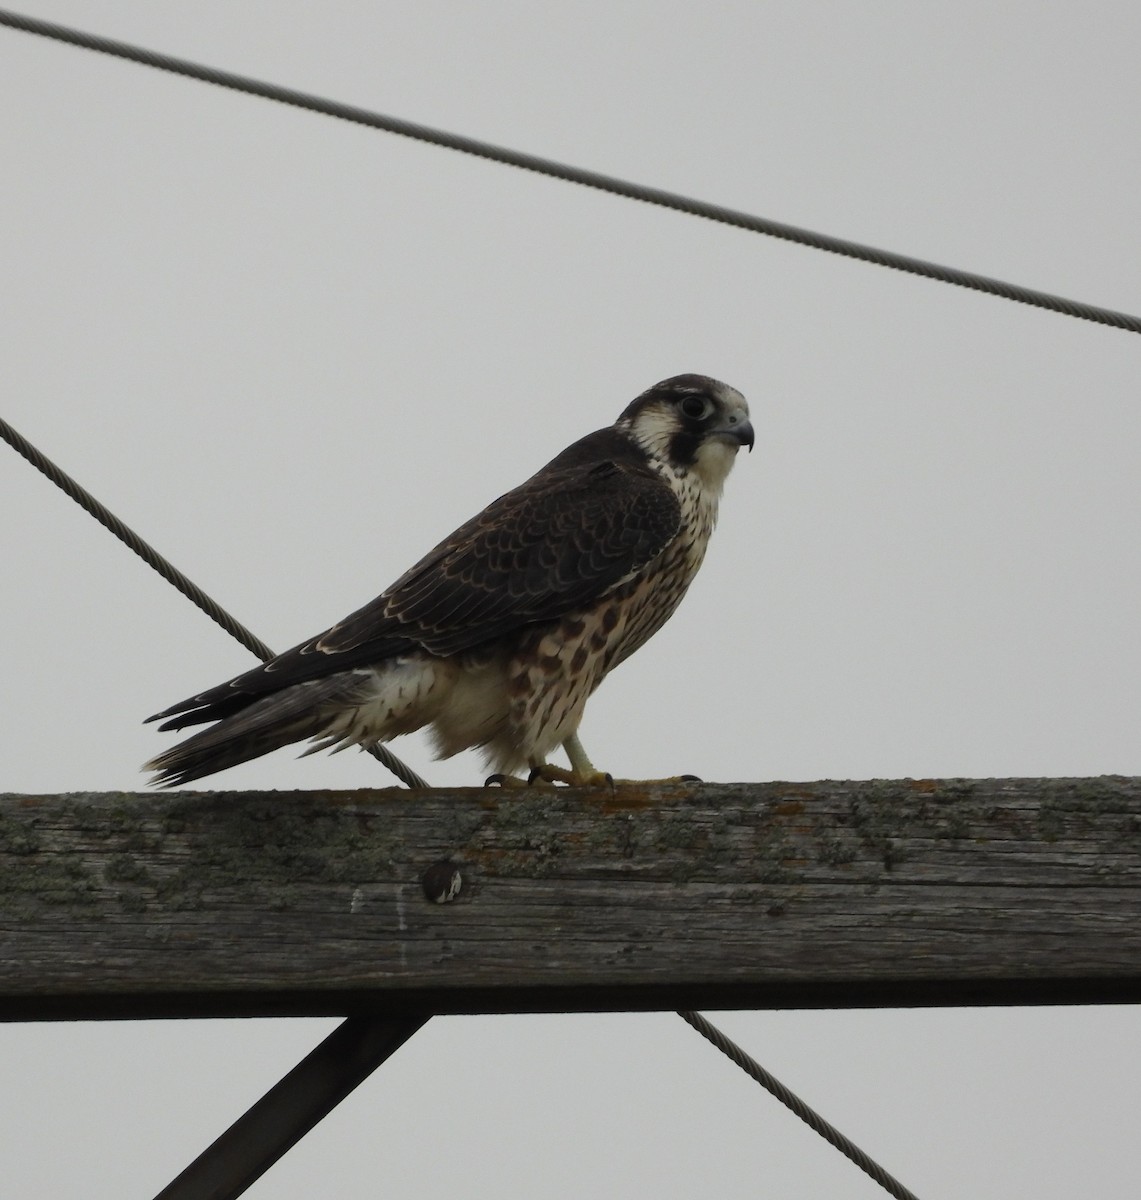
column 790, row 1100
column 579, row 175
column 173, row 575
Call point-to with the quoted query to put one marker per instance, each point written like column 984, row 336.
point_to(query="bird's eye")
column 696, row 407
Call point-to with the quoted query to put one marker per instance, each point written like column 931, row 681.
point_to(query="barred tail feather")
column 304, row 710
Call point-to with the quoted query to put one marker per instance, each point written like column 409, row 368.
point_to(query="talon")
column 689, row 779
column 504, row 781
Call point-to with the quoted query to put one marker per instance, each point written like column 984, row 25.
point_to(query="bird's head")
column 692, row 423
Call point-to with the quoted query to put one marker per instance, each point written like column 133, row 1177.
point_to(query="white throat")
column 713, row 463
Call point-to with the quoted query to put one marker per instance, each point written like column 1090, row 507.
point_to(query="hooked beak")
column 737, row 428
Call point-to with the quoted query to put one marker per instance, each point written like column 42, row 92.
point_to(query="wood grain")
column 826, row 894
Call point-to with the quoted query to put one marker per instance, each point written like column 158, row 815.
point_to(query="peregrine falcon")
column 497, row 638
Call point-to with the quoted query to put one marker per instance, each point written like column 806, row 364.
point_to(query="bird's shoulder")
column 583, row 523
column 578, row 526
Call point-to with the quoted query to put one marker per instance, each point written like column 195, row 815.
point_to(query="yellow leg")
column 582, row 773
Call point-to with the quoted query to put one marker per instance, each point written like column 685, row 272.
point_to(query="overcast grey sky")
column 294, row 353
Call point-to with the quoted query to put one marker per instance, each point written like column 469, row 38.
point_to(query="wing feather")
column 559, row 541
column 535, row 554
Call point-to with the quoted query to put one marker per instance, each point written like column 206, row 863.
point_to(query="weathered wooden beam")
column 829, row 894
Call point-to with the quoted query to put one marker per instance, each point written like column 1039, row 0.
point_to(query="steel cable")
column 570, row 174
column 173, row 575
column 790, row 1100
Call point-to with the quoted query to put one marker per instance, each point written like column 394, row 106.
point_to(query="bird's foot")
column 549, row 773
